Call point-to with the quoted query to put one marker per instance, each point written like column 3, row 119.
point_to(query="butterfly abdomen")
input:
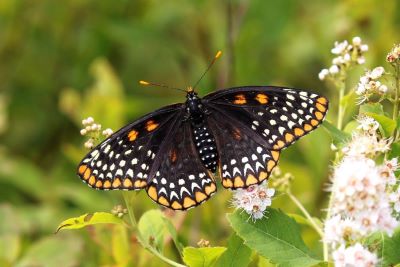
column 206, row 146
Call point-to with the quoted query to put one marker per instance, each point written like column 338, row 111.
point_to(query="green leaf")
column 53, row 251
column 237, row 253
column 388, row 125
column 90, row 219
column 390, row 248
column 154, row 227
column 201, row 257
column 120, row 246
column 302, row 220
column 372, row 108
column 276, row 237
column 339, row 137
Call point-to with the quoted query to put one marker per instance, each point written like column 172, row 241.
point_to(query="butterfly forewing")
column 181, row 181
column 124, row 160
column 279, row 115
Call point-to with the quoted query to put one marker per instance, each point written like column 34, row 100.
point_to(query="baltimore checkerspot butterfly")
column 174, row 152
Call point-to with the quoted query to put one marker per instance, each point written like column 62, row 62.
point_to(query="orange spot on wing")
column 200, row 196
column 314, row 122
column 240, row 99
column 320, row 107
column 289, row 137
column 270, row 165
column 308, row 127
column 275, row 155
column 298, row 132
column 210, row 189
column 238, row 182
column 163, row 201
column 99, row 184
column 116, row 183
column 87, row 173
column 127, row 183
column 152, row 191
column 227, row 183
column 176, row 206
column 237, row 134
column 322, row 100
column 172, row 155
column 262, row 98
column 151, row 125
column 107, row 184
column 318, row 115
column 132, row 135
column 251, row 180
column 188, row 202
column 140, row 183
column 82, row 169
column 263, row 176
column 279, row 144
column 92, row 180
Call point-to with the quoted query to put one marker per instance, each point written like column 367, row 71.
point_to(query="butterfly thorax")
column 203, row 138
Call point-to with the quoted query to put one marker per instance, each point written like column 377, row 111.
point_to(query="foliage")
column 64, row 61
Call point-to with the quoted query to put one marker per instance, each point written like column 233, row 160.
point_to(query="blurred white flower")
column 322, row 74
column 334, row 69
column 254, row 200
column 354, row 256
column 369, row 84
column 340, row 47
column 367, row 124
column 356, row 41
column 89, row 143
column 366, row 144
column 107, row 132
column 338, row 230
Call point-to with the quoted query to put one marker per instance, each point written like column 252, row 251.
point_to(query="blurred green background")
column 62, row 61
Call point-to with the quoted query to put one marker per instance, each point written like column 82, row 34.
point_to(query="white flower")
column 83, row 132
column 395, row 199
column 254, row 200
column 364, row 48
column 377, row 73
column 354, row 256
column 337, row 230
column 88, row 121
column 366, row 144
column 356, row 41
column 107, row 132
column 89, row 144
column 383, row 89
column 322, row 74
column 339, row 47
column 334, row 69
column 367, row 124
column 361, row 60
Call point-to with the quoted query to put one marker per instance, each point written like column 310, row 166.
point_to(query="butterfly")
column 174, row 152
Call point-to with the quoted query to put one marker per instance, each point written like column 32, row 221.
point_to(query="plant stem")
column 396, row 99
column 140, row 238
column 305, row 212
column 341, row 110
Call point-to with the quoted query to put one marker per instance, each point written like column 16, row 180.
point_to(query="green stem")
column 396, row 99
column 341, row 110
column 140, row 238
column 305, row 212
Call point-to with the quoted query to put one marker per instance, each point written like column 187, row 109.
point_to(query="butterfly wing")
column 181, row 180
column 252, row 124
column 125, row 159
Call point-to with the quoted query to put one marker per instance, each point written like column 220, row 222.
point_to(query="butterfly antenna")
column 219, row 53
column 160, row 85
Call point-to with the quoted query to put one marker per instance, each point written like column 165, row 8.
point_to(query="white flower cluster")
column 346, row 55
column 93, row 130
column 394, row 55
column 370, row 85
column 363, row 200
column 355, row 255
column 254, row 200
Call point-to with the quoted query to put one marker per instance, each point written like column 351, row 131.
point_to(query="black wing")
column 125, row 160
column 181, row 181
column 252, row 124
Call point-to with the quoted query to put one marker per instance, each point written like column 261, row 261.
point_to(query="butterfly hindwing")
column 279, row 115
column 181, row 181
column 243, row 159
column 124, row 160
